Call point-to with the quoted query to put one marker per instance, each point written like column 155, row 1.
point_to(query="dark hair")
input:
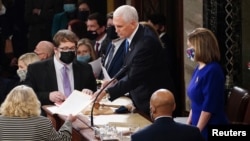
column 78, row 27
column 157, row 18
column 86, row 2
column 100, row 18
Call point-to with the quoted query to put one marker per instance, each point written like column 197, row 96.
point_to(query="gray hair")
column 128, row 13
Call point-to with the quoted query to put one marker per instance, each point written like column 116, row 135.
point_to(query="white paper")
column 74, row 104
column 105, row 74
column 96, row 66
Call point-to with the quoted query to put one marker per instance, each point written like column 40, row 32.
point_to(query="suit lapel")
column 76, row 74
column 138, row 35
column 52, row 73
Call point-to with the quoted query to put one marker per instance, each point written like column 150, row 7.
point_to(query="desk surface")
column 81, row 127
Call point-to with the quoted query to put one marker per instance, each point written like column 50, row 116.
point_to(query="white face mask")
column 22, row 74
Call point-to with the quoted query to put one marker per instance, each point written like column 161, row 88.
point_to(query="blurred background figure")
column 115, row 54
column 44, row 49
column 84, row 9
column 169, row 55
column 39, row 16
column 96, row 27
column 23, row 63
column 25, row 122
column 2, row 8
column 61, row 20
column 85, row 52
column 78, row 27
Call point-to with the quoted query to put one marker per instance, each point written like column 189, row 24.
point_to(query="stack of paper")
column 74, row 104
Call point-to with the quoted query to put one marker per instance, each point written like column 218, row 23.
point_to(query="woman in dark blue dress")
column 206, row 88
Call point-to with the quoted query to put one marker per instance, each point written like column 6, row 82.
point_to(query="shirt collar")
column 132, row 35
column 60, row 65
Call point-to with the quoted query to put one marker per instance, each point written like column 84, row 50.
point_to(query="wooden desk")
column 81, row 127
column 80, row 131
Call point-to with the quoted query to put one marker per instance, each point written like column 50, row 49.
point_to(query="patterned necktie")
column 66, row 82
column 110, row 56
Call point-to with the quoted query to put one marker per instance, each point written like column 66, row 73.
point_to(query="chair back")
column 236, row 104
column 246, row 119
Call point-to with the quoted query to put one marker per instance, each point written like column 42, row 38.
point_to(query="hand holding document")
column 74, row 104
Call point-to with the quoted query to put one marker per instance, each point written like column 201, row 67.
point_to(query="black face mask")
column 111, row 32
column 67, row 57
column 83, row 15
column 92, row 35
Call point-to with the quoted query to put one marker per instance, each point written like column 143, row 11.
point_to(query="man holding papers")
column 144, row 73
column 54, row 79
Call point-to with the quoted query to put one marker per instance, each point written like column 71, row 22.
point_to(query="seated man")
column 44, row 49
column 162, row 105
column 54, row 79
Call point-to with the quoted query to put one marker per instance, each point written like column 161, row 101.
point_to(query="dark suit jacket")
column 41, row 77
column 145, row 74
column 104, row 45
column 166, row 128
column 117, row 61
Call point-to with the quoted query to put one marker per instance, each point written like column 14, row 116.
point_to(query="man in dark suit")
column 158, row 21
column 46, row 78
column 162, row 105
column 96, row 27
column 114, row 63
column 143, row 71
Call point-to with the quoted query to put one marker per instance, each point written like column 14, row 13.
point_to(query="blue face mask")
column 190, row 53
column 84, row 58
column 69, row 7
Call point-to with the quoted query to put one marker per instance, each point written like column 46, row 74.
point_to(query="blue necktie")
column 127, row 45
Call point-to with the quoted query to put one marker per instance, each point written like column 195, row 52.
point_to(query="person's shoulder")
column 214, row 67
column 81, row 64
column 41, row 63
column 187, row 127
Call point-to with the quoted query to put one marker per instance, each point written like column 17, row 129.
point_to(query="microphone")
column 118, row 74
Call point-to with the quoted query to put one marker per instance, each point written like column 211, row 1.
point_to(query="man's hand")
column 57, row 97
column 87, row 91
column 102, row 94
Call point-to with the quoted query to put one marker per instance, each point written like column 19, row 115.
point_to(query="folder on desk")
column 74, row 104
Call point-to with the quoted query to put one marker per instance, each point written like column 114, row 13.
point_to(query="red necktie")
column 96, row 49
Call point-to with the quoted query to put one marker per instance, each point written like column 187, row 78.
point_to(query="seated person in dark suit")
column 49, row 79
column 162, row 105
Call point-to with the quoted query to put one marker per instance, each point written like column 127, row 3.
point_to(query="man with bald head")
column 44, row 49
column 162, row 105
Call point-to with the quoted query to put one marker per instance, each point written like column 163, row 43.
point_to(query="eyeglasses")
column 65, row 49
